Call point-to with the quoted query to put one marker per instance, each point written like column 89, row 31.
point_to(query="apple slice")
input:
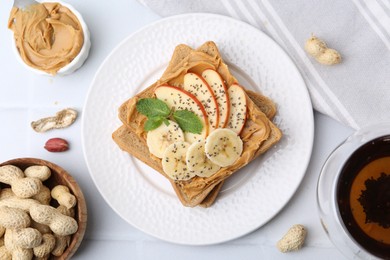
column 197, row 86
column 237, row 114
column 180, row 99
column 219, row 88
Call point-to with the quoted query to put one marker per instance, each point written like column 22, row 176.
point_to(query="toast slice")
column 259, row 133
column 128, row 141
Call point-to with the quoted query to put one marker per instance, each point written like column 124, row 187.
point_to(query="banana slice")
column 161, row 137
column 223, row 147
column 174, row 161
column 198, row 162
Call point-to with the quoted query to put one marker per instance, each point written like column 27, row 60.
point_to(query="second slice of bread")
column 258, row 135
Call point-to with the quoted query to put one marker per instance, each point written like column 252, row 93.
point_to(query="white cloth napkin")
column 355, row 92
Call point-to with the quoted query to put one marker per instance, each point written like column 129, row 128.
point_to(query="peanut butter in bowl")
column 50, row 37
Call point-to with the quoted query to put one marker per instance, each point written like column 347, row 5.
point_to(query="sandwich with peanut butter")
column 197, row 125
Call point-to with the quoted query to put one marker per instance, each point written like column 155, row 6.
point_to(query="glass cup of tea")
column 353, row 194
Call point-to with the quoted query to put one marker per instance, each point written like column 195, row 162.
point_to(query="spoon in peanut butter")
column 24, row 4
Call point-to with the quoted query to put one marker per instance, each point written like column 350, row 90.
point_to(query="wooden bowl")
column 60, row 177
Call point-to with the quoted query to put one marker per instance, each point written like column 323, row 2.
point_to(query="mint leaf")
column 166, row 121
column 188, row 121
column 153, row 122
column 158, row 112
column 152, row 107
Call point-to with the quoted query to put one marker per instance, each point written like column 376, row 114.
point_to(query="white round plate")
column 248, row 199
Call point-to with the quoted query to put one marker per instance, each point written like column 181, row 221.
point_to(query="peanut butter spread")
column 48, row 36
column 256, row 131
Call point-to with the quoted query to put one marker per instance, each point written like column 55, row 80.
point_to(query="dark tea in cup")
column 363, row 196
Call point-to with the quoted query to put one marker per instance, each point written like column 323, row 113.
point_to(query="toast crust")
column 258, row 135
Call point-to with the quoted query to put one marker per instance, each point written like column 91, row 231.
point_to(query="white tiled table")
column 25, row 96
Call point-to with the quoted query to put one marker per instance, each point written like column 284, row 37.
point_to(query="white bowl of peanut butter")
column 50, row 38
